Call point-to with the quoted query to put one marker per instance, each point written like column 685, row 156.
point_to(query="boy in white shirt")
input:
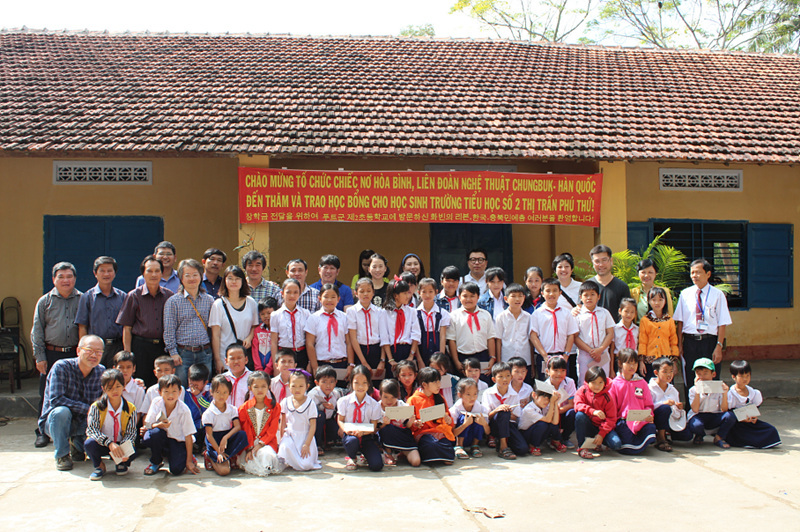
column 553, row 328
column 237, row 374
column 169, row 429
column 502, row 403
column 164, row 365
column 125, row 362
column 565, row 386
column 668, row 413
column 513, row 327
column 709, row 410
column 540, row 422
column 519, row 373
column 325, row 395
column 471, row 332
column 595, row 332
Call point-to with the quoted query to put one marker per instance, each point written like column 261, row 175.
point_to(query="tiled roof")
column 392, row 97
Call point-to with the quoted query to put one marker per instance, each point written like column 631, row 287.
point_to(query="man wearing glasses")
column 54, row 334
column 165, row 252
column 73, row 384
column 612, row 289
column 477, row 261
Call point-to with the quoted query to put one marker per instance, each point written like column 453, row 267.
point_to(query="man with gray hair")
column 54, row 334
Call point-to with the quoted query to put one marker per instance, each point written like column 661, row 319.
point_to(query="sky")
column 300, row 17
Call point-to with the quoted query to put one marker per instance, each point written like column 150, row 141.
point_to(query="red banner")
column 273, row 195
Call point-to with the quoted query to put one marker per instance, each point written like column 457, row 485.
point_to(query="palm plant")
column 671, row 264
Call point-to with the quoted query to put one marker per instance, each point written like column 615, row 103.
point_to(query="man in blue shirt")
column 213, row 261
column 73, row 384
column 165, row 252
column 329, row 266
column 99, row 307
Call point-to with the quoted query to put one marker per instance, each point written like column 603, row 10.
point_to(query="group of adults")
column 193, row 312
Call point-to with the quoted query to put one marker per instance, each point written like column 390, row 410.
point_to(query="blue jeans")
column 584, row 428
column 61, row 425
column 190, row 357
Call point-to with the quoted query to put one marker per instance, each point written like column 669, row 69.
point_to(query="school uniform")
column 501, row 424
column 482, row 387
column 701, row 313
column 369, row 326
column 446, row 302
column 567, row 389
column 626, row 337
column 592, row 327
column 709, row 415
column 330, row 337
column 515, row 335
column 290, row 326
column 279, row 388
column 107, row 426
column 472, row 332
column 493, row 305
column 533, row 429
column 396, row 435
column 239, row 384
column 152, row 393
column 524, row 393
column 430, row 327
column 553, row 326
column 475, row 432
column 664, row 415
column 434, row 438
column 197, row 406
column 366, row 411
column 172, row 441
column 261, row 351
column 221, row 423
column 134, row 394
column 401, row 327
column 298, row 424
column 448, row 389
column 758, row 435
column 327, row 428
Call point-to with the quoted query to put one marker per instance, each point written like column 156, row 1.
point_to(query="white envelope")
column 588, row 443
column 127, row 448
column 400, row 413
column 484, row 366
column 746, row 411
column 432, row 413
column 341, row 373
column 544, row 386
column 709, row 386
column 359, row 427
column 637, row 415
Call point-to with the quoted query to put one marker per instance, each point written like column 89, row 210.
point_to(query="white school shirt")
column 371, row 411
column 662, row 396
column 515, row 335
column 236, row 398
column 542, row 325
column 152, row 394
column 593, row 332
column 621, row 334
column 411, row 331
column 715, row 310
column 709, row 403
column 218, row 420
column 108, row 424
column 524, row 393
column 567, row 386
column 492, row 401
column 357, row 320
column 530, row 415
column 276, row 386
column 317, row 325
column 469, row 342
column 134, row 394
column 281, row 323
column 482, row 387
column 444, row 320
column 319, row 397
column 470, row 279
column 454, row 301
column 735, row 400
column 181, row 424
column 458, row 408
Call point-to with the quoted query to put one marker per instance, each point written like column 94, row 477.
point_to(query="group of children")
column 381, row 382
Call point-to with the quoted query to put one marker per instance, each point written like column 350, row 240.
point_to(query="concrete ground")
column 693, row 488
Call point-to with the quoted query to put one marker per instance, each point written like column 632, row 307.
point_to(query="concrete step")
column 775, row 378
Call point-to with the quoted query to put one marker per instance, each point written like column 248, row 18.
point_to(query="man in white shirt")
column 701, row 318
column 477, row 261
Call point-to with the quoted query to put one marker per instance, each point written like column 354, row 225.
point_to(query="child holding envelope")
column 634, row 430
column 395, row 432
column 749, row 431
column 709, row 402
column 433, row 428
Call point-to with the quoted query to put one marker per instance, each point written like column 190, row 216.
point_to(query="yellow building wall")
column 770, row 194
column 197, row 198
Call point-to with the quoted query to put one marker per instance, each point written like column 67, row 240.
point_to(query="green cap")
column 703, row 363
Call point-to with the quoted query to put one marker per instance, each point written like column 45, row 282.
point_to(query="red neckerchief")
column 368, row 322
column 333, row 325
column 358, row 415
column 291, row 317
column 399, row 325
column 555, row 327
column 473, row 316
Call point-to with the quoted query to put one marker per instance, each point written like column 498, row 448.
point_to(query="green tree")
column 424, row 30
column 529, row 20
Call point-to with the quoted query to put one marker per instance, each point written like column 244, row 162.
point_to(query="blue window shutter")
column 770, row 266
column 639, row 235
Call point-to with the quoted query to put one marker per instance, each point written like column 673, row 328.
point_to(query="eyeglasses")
column 98, row 352
column 601, row 260
column 477, row 260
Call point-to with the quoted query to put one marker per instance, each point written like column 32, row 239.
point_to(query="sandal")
column 389, row 460
column 350, row 464
column 491, row 442
column 475, row 451
column 585, row 454
column 664, row 445
column 557, row 446
column 506, row 454
column 151, row 469
column 697, row 440
column 722, row 444
column 535, row 451
column 461, row 454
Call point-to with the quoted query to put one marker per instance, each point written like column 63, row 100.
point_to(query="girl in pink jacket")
column 634, row 430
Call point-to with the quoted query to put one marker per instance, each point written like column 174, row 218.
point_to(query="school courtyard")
column 693, row 488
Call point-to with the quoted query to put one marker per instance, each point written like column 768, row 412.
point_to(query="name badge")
column 702, row 326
